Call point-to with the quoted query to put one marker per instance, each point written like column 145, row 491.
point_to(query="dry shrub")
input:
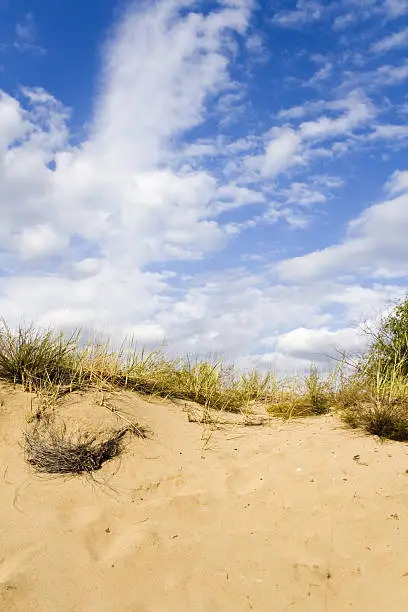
column 380, row 409
column 51, row 449
column 385, row 421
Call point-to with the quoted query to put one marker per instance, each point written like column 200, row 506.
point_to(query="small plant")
column 389, row 349
column 318, row 392
column 257, row 387
column 200, row 381
column 380, row 405
column 35, row 359
column 386, row 421
column 305, row 397
column 50, row 449
column 375, row 397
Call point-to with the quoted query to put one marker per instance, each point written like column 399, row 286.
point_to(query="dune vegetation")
column 371, row 394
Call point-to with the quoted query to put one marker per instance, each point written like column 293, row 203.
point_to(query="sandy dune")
column 271, row 518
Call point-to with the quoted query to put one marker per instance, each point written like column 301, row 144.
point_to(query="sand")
column 301, row 516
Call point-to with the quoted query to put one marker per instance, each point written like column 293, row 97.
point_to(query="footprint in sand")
column 244, row 481
column 16, row 563
column 128, row 542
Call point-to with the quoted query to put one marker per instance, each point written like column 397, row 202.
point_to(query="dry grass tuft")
column 50, row 449
column 302, row 397
column 379, row 406
column 386, row 421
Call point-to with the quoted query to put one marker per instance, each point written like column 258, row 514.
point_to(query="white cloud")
column 320, row 345
column 280, row 152
column 392, row 41
column 112, row 186
column 233, row 196
column 39, row 241
column 342, row 22
column 375, row 245
column 168, row 90
column 359, row 111
column 364, row 302
column 392, row 132
column 117, row 195
column 12, row 123
column 302, row 194
column 364, row 10
column 345, row 13
column 313, row 108
column 396, row 8
column 307, row 11
column 256, row 48
column 147, row 334
column 286, row 146
column 85, row 226
column 85, row 268
column 392, row 75
column 398, row 182
column 387, row 75
column 324, row 73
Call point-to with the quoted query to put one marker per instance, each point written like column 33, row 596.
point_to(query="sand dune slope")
column 271, row 518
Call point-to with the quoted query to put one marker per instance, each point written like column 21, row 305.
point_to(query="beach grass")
column 372, row 395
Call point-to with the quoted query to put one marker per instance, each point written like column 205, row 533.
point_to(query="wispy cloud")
column 392, row 41
column 26, row 31
column 306, row 11
column 374, row 246
column 396, row 8
column 26, row 36
column 384, row 76
column 342, row 14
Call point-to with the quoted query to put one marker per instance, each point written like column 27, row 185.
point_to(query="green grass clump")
column 377, row 403
column 375, row 396
column 388, row 351
column 302, row 397
column 34, row 358
column 43, row 361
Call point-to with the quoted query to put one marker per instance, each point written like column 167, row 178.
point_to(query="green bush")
column 388, row 353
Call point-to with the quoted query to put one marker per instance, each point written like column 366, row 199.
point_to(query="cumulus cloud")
column 103, row 234
column 117, row 182
column 375, row 244
column 280, row 152
column 398, row 182
column 117, row 202
column 320, row 345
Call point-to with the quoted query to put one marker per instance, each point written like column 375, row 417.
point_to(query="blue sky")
column 229, row 177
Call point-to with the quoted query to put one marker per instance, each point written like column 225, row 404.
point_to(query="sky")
column 227, row 177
